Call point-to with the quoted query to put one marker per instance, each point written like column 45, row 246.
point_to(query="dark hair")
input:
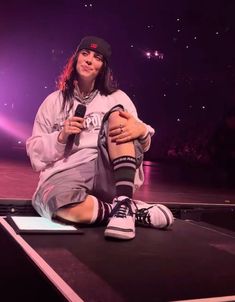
column 104, row 81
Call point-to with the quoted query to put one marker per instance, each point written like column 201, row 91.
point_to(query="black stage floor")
column 20, row 278
column 194, row 260
column 191, row 261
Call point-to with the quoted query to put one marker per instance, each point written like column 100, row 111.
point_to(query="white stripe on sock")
column 95, row 209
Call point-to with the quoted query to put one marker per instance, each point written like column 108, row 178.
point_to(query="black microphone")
column 79, row 112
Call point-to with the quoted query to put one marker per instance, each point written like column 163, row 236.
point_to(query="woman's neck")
column 85, row 88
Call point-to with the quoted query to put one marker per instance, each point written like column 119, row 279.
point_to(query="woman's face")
column 89, row 64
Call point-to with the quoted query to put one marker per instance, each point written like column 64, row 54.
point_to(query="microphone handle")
column 79, row 112
column 69, row 145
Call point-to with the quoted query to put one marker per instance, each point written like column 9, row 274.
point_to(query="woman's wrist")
column 60, row 138
column 145, row 134
column 144, row 138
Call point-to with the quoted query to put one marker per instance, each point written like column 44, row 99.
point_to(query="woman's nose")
column 89, row 60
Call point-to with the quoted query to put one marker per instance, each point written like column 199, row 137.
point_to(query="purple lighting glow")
column 178, row 57
column 15, row 129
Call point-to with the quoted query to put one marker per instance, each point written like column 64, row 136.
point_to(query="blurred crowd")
column 210, row 144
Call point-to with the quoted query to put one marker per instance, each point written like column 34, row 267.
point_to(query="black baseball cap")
column 96, row 44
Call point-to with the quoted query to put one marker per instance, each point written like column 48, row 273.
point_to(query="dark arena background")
column 176, row 61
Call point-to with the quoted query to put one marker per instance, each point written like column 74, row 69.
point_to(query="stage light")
column 90, row 5
column 148, row 54
column 154, row 55
column 160, row 55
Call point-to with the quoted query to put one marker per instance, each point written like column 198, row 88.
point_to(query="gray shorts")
column 71, row 186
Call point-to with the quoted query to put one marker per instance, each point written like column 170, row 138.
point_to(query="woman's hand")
column 129, row 130
column 73, row 125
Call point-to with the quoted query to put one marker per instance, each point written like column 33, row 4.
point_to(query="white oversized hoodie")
column 47, row 154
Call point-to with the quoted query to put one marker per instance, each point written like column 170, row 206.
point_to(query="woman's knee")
column 115, row 119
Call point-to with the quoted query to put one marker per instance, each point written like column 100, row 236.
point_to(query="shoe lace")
column 143, row 216
column 122, row 209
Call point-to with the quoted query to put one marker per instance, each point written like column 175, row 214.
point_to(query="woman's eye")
column 98, row 58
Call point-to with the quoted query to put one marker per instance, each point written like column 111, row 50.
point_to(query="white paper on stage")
column 40, row 224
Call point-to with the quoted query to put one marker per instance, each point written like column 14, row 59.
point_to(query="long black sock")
column 124, row 173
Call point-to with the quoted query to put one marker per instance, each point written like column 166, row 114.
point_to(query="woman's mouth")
column 85, row 68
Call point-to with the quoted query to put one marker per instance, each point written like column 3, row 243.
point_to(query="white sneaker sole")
column 119, row 233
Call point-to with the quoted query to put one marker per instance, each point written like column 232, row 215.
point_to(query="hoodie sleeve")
column 43, row 147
